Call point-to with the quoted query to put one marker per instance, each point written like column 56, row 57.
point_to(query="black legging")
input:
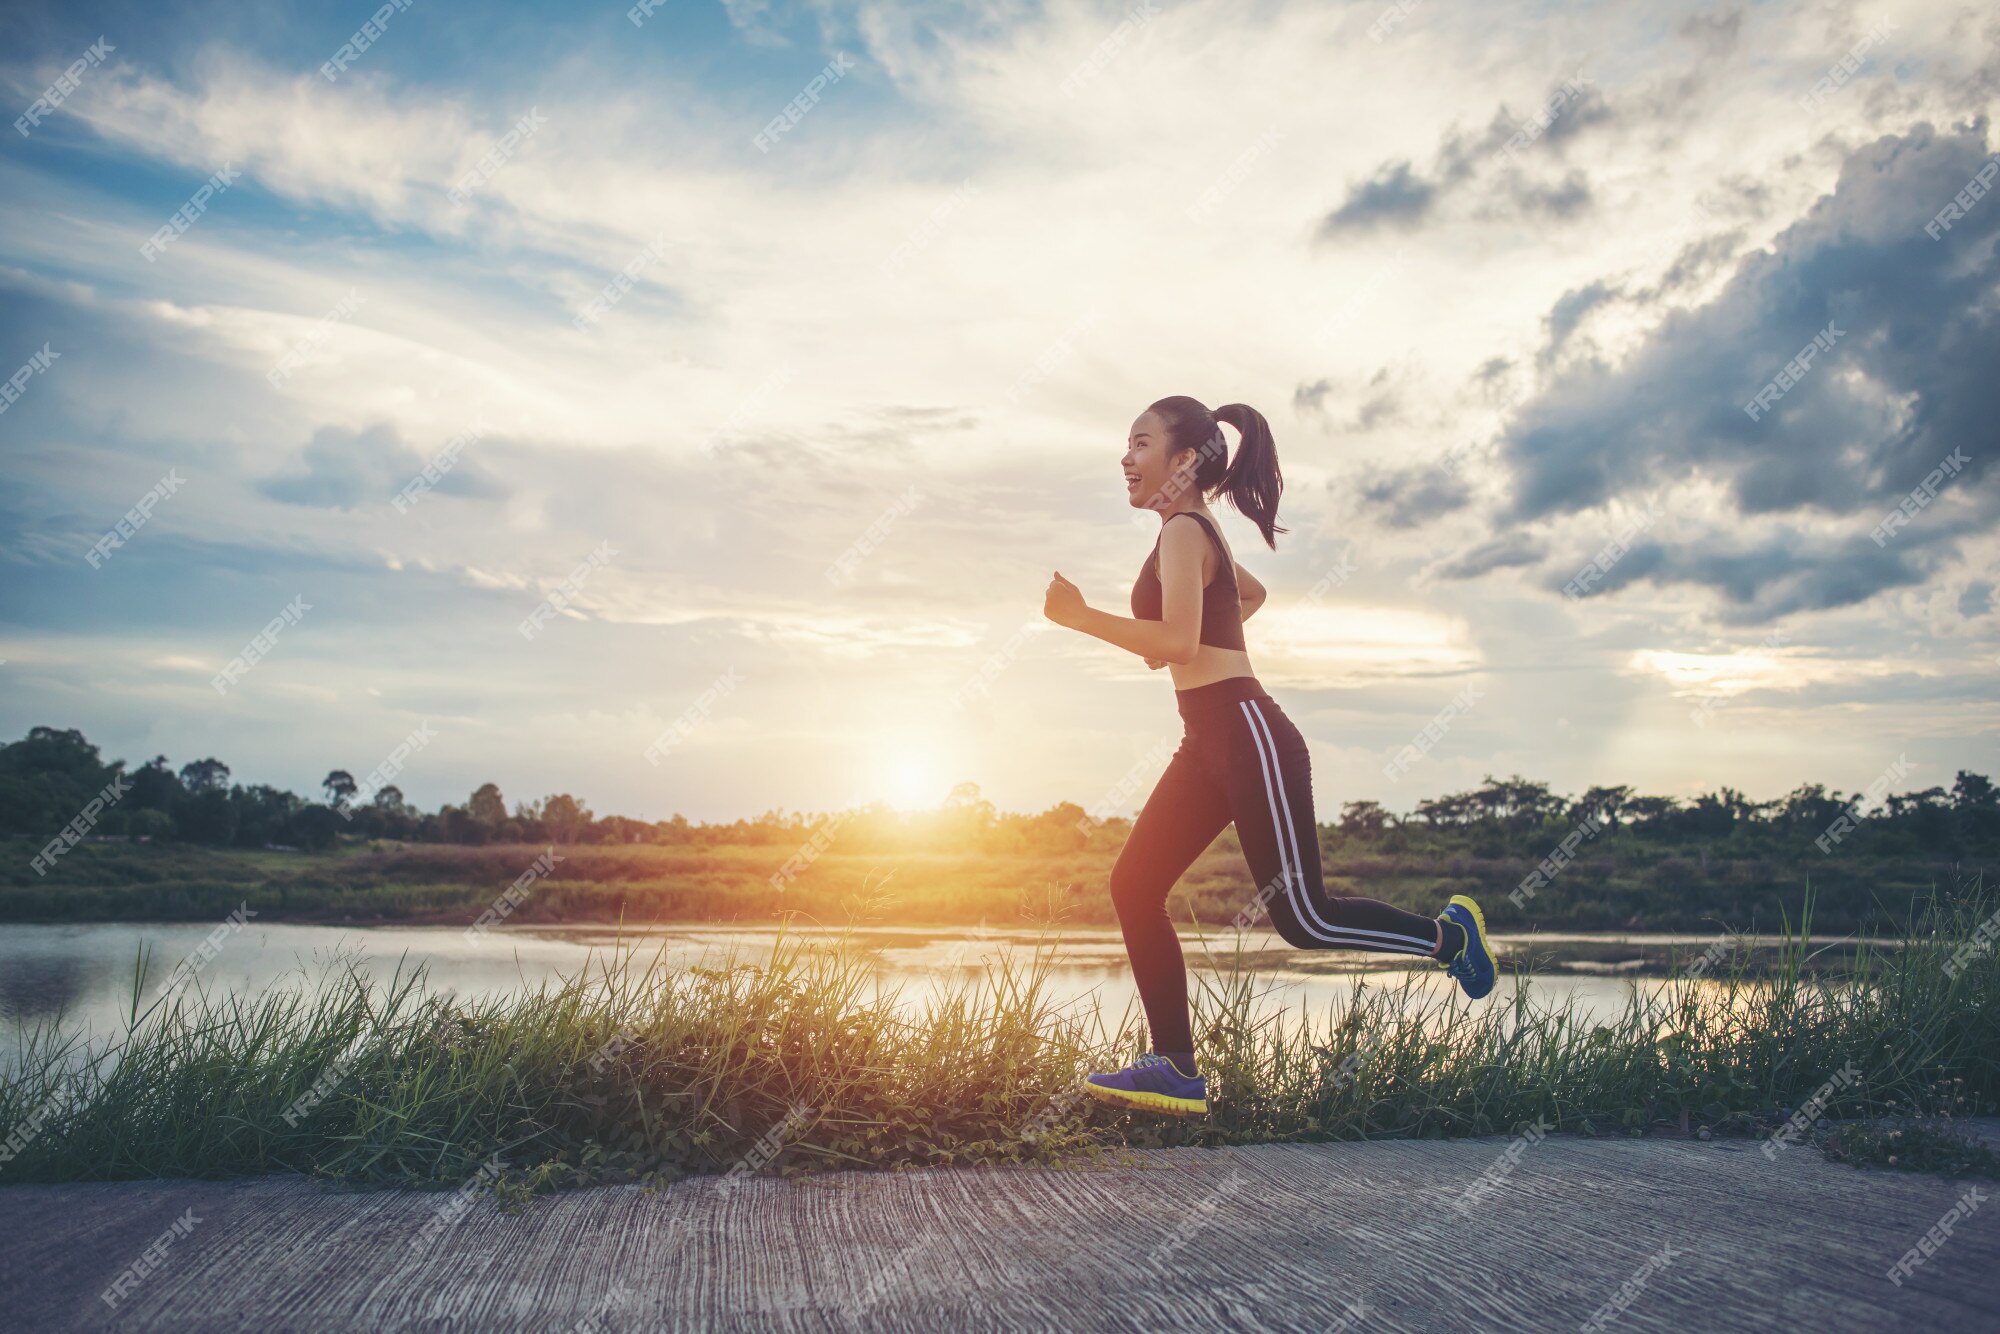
column 1240, row 759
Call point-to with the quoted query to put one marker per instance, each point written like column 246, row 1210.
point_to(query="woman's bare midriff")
column 1211, row 664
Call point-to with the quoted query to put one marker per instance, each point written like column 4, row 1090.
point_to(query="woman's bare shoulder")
column 1189, row 541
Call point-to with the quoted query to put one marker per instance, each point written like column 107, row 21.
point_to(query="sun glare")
column 1718, row 673
column 909, row 778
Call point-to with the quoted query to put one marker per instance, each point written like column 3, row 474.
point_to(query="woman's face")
column 1151, row 479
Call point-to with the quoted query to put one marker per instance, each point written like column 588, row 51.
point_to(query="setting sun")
column 909, row 777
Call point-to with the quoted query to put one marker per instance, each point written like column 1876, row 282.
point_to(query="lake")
column 81, row 975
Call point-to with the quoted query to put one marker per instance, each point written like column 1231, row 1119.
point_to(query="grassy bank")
column 796, row 1065
column 1628, row 885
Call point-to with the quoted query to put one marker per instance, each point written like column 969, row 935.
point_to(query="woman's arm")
column 1249, row 592
column 1176, row 636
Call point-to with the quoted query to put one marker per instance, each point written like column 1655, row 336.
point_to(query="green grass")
column 696, row 1066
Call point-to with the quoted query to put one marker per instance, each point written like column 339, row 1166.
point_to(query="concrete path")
column 1647, row 1235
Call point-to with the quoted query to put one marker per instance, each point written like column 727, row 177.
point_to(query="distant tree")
column 208, row 775
column 967, row 820
column 1364, row 817
column 1451, row 811
column 1535, row 803
column 1490, row 800
column 456, row 825
column 57, row 750
column 1651, row 812
column 1904, row 804
column 1740, row 808
column 1810, row 805
column 1608, row 802
column 564, row 818
column 149, row 824
column 46, row 777
column 1515, row 802
column 339, row 787
column 619, row 829
column 1972, row 792
column 316, row 828
column 156, row 786
column 388, row 815
column 208, row 816
column 1712, row 815
column 1063, row 827
column 486, row 806
column 1529, row 803
column 264, row 815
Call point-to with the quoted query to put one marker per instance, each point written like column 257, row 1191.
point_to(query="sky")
column 767, row 358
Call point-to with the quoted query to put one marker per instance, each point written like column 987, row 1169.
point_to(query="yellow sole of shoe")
column 1147, row 1102
column 1479, row 918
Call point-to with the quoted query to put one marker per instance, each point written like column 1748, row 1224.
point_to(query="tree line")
column 47, row 777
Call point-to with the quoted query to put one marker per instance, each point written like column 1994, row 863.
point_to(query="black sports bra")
column 1221, row 608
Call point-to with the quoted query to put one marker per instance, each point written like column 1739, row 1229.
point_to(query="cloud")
column 1394, row 194
column 1503, row 552
column 1559, row 200
column 343, row 469
column 1568, row 312
column 1491, row 379
column 1377, row 402
column 1772, row 575
column 1398, row 193
column 1908, row 379
column 1715, row 34
column 1411, row 497
column 1696, row 261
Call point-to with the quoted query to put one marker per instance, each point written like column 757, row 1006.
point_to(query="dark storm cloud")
column 1775, row 575
column 1908, row 379
column 343, row 469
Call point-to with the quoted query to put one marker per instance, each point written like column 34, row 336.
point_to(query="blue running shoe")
column 1474, row 968
column 1151, row 1084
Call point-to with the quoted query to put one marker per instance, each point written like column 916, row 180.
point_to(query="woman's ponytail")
column 1253, row 482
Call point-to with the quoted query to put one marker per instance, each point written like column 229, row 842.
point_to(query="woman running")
column 1240, row 757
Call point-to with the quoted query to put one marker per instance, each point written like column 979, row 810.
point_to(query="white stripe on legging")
column 1278, row 834
column 1398, row 942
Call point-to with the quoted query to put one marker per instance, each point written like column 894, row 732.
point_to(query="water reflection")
column 44, row 987
column 82, row 975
